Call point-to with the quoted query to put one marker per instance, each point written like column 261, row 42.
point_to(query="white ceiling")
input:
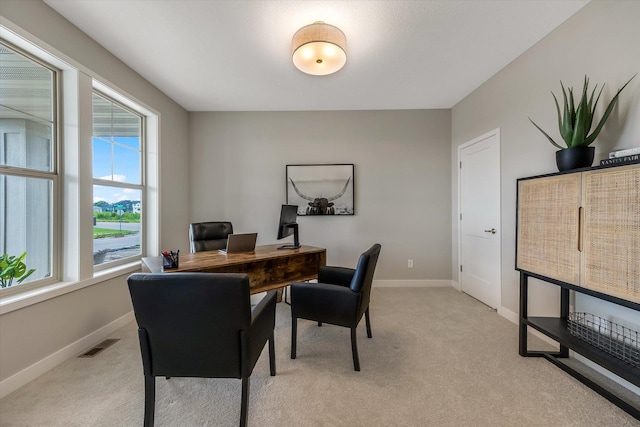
column 212, row 55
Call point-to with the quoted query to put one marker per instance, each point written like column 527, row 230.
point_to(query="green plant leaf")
column 27, row 274
column 20, row 269
column 592, row 106
column 579, row 132
column 606, row 114
column 595, row 104
column 7, row 273
column 576, row 120
column 583, row 118
column 12, row 267
column 564, row 131
column 566, row 124
column 545, row 134
column 572, row 109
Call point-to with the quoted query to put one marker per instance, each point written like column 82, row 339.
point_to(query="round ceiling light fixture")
column 319, row 49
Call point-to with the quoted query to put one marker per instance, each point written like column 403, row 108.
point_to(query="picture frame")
column 321, row 190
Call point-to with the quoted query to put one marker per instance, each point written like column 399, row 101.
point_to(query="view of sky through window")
column 117, row 159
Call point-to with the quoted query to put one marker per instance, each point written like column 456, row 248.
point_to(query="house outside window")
column 28, row 161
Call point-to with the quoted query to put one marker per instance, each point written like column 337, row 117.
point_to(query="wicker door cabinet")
column 580, row 230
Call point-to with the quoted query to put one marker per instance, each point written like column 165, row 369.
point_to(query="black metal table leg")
column 524, row 293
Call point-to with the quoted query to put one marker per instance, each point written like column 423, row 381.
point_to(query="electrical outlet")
column 410, row 263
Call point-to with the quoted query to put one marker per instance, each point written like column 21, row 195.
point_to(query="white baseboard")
column 509, row 315
column 32, row 372
column 412, row 283
column 514, row 318
column 456, row 285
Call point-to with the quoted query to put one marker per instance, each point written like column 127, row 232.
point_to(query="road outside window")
column 117, row 175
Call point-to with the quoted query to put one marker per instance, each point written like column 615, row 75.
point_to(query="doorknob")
column 492, row 231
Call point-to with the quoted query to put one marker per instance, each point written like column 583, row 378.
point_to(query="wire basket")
column 615, row 339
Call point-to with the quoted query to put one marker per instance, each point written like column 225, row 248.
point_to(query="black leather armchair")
column 209, row 236
column 200, row 325
column 340, row 297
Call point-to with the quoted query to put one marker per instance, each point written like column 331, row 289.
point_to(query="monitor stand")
column 296, row 238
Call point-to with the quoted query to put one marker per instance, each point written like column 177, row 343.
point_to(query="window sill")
column 34, row 296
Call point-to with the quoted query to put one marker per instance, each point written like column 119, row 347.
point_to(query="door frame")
column 494, row 132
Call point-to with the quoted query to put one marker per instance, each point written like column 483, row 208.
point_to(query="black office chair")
column 200, row 325
column 340, row 297
column 209, row 236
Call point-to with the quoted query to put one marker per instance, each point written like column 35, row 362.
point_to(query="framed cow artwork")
column 321, row 189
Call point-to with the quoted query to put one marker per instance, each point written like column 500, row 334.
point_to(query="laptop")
column 239, row 243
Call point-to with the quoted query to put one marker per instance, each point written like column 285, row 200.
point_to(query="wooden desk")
column 268, row 267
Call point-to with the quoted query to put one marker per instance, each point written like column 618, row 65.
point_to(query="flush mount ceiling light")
column 319, row 49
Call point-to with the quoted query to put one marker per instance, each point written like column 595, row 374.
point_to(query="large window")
column 118, row 181
column 60, row 168
column 28, row 163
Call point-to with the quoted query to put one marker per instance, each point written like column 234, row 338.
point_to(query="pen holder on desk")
column 170, row 260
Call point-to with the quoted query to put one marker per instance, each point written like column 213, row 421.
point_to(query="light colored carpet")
column 437, row 358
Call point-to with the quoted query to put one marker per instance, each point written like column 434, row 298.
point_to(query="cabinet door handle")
column 492, row 231
column 580, row 220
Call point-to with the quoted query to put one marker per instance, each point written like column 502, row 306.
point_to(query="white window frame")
column 74, row 208
column 52, row 176
column 141, row 187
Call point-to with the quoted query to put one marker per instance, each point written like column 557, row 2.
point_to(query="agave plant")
column 575, row 124
column 12, row 267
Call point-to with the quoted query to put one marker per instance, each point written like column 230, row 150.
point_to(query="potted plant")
column 575, row 124
column 12, row 267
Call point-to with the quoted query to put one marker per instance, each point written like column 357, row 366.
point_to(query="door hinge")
column 460, row 217
column 460, row 268
column 460, row 165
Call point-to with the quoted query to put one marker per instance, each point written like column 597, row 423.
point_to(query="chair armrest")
column 324, row 302
column 269, row 301
column 263, row 322
column 335, row 275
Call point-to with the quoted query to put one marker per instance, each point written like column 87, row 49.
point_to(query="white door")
column 479, row 178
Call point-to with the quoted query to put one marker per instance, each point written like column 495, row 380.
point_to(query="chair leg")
column 368, row 322
column 272, row 355
column 149, row 400
column 285, row 295
column 354, row 350
column 294, row 327
column 244, row 406
column 319, row 324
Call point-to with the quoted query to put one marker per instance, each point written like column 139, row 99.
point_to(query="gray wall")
column 402, row 181
column 33, row 333
column 235, row 166
column 601, row 40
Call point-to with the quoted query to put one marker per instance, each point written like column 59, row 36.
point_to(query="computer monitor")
column 288, row 226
